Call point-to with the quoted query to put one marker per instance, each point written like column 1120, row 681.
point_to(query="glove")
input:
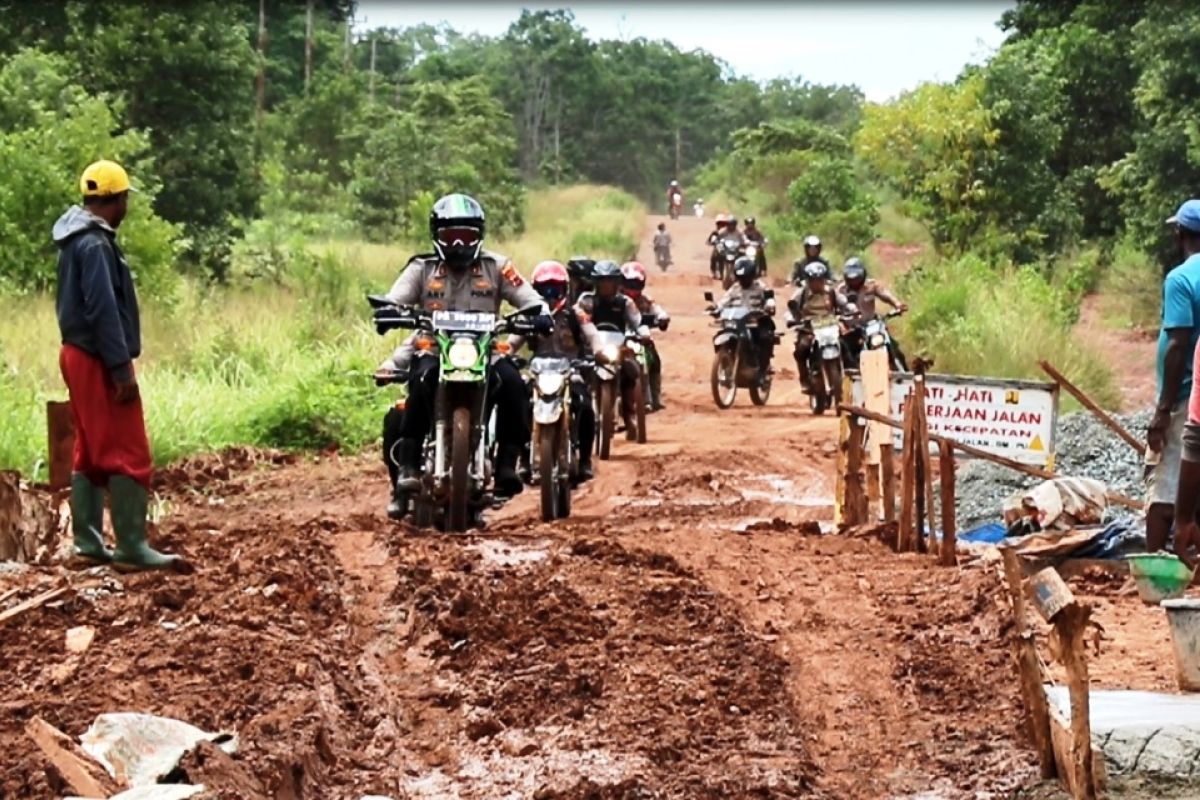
column 543, row 324
column 664, row 323
column 385, row 319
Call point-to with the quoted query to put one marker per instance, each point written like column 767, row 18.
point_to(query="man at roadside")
column 101, row 336
column 1176, row 351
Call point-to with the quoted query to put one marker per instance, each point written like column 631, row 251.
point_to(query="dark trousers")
column 585, row 415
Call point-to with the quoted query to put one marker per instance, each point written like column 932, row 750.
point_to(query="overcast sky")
column 884, row 48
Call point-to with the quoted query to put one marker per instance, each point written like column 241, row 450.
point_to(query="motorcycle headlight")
column 550, row 383
column 609, row 354
column 463, row 354
column 876, row 341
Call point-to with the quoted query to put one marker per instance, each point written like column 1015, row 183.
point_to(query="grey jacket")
column 490, row 281
column 96, row 302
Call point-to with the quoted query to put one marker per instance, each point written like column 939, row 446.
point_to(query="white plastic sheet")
column 140, row 749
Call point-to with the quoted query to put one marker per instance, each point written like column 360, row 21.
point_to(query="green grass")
column 282, row 360
column 900, row 228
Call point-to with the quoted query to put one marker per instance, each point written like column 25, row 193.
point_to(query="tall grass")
column 280, row 360
column 976, row 319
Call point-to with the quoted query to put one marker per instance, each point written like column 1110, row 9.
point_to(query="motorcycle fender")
column 606, row 372
column 547, row 411
column 830, row 353
column 723, row 338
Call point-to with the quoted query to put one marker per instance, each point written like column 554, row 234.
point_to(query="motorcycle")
column 613, row 347
column 456, row 481
column 676, row 204
column 729, row 249
column 757, row 251
column 647, row 357
column 736, row 361
column 698, row 209
column 875, row 336
column 824, row 367
column 555, row 451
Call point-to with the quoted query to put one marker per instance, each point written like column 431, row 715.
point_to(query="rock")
column 518, row 744
column 80, row 638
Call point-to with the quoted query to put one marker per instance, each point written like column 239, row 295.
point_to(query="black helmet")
column 456, row 225
column 745, row 270
column 580, row 267
column 854, row 272
column 606, row 269
column 816, row 270
column 751, row 221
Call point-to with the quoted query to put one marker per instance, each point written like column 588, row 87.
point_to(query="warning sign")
column 1015, row 419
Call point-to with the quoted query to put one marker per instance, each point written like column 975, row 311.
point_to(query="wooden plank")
column 32, row 603
column 85, row 776
column 887, row 476
column 1037, row 472
column 856, row 490
column 1029, row 669
column 949, row 555
column 1093, row 407
column 877, row 396
column 60, row 427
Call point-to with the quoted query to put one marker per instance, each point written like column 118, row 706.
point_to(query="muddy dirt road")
column 687, row 634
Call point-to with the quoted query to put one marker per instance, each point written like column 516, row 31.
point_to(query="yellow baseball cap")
column 103, row 178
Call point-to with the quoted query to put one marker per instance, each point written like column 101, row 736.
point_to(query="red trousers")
column 110, row 437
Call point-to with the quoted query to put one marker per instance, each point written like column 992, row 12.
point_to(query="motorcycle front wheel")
column 566, row 450
column 760, row 390
column 641, row 397
column 607, row 419
column 548, row 470
column 458, row 516
column 833, row 380
column 724, row 378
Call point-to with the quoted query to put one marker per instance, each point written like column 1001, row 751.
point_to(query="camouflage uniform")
column 622, row 313
column 806, row 306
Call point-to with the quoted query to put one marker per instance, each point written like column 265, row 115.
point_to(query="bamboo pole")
column 1036, row 472
column 1091, row 405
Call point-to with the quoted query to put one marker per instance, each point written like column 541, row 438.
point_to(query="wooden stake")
column 1037, row 472
column 1029, row 668
column 926, row 487
column 1091, row 405
column 887, row 475
column 839, row 489
column 32, row 603
column 1071, row 624
column 946, row 470
column 908, row 487
column 874, row 511
column 856, row 496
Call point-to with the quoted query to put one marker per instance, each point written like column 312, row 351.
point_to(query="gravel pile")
column 1086, row 449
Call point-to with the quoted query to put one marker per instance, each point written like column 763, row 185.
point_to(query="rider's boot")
column 628, row 406
column 408, row 461
column 586, row 472
column 508, row 482
column 805, row 378
column 656, row 403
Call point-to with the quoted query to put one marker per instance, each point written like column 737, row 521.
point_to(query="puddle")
column 784, row 490
column 507, row 554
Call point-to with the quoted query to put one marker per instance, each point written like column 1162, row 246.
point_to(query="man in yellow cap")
column 101, row 336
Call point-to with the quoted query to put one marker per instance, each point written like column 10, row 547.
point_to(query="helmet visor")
column 459, row 237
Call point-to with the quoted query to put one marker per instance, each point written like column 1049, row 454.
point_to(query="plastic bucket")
column 1159, row 576
column 1184, row 616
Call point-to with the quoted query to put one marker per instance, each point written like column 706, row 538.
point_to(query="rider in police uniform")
column 461, row 276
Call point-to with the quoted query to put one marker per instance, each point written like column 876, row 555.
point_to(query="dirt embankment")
column 687, row 634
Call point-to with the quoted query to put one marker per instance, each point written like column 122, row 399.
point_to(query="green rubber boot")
column 133, row 554
column 87, row 522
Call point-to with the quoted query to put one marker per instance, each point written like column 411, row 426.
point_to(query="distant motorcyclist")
column 698, row 207
column 568, row 340
column 750, row 292
column 861, row 290
column 815, row 298
column 579, row 271
column 633, row 285
column 662, row 245
column 753, row 234
column 608, row 305
column 714, row 236
column 812, row 253
column 673, row 190
column 461, row 276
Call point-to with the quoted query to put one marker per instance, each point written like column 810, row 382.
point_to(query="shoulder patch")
column 511, row 276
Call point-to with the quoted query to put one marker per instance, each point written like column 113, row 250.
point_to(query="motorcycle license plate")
column 469, row 321
column 827, row 336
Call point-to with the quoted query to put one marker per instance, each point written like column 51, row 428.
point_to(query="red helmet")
column 633, row 276
column 550, row 280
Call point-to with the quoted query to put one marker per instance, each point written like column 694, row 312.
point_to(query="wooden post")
column 908, row 486
column 856, row 497
column 887, row 470
column 839, row 489
column 1071, row 624
column 874, row 503
column 60, row 427
column 1029, row 668
column 949, row 505
column 1091, row 405
column 920, row 449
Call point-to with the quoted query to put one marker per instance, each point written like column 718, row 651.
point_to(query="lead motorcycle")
column 824, row 365
column 736, row 362
column 729, row 249
column 555, row 440
column 876, row 336
column 456, row 481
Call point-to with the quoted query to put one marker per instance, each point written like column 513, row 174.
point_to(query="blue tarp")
column 1114, row 541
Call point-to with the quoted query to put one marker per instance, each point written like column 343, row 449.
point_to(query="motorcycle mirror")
column 708, row 296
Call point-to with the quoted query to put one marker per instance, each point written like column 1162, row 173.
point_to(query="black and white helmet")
column 745, row 270
column 816, row 270
column 456, row 225
column 854, row 272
